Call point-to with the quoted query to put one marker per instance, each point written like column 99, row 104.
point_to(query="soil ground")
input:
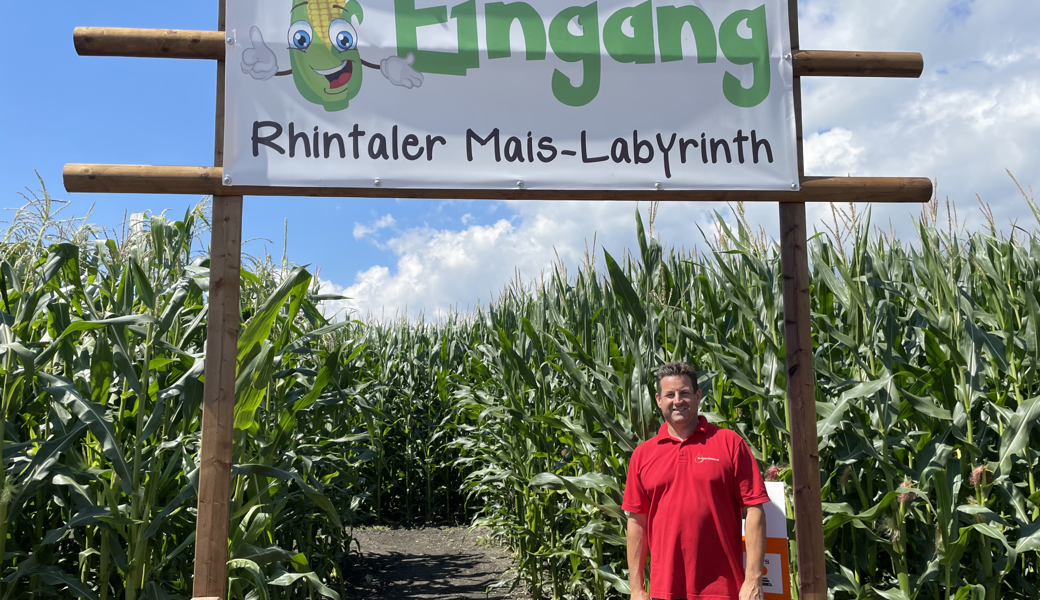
column 442, row 563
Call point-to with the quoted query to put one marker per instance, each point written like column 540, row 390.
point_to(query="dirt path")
column 442, row 563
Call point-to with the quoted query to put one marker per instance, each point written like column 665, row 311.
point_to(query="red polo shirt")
column 693, row 491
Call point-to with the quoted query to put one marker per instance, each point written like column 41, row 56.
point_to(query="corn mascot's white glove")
column 400, row 71
column 259, row 61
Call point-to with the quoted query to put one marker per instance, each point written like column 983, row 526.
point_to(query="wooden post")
column 218, row 407
column 801, row 385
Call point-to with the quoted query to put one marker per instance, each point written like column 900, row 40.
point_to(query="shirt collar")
column 663, row 435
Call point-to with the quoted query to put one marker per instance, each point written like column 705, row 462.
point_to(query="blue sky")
column 974, row 112
column 60, row 108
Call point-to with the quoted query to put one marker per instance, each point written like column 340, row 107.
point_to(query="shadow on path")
column 429, row 576
column 429, row 564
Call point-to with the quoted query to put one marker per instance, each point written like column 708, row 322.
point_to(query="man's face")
column 678, row 401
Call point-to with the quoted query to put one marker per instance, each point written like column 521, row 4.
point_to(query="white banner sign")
column 613, row 94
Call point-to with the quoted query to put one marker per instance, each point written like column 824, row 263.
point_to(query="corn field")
column 519, row 417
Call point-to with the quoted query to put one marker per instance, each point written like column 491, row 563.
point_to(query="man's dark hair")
column 677, row 369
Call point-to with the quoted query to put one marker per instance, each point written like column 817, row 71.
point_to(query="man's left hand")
column 752, row 589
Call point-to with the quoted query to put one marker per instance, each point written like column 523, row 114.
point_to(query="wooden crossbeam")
column 212, row 45
column 149, row 43
column 203, row 181
column 838, row 63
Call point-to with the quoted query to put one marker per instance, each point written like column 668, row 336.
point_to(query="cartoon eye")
column 342, row 35
column 300, row 35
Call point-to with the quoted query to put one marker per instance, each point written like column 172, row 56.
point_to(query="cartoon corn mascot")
column 323, row 53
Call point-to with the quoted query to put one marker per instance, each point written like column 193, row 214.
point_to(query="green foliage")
column 927, row 394
column 521, row 415
column 102, row 349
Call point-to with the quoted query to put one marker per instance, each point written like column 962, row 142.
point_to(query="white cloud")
column 973, row 113
column 831, row 152
column 362, row 231
column 439, row 270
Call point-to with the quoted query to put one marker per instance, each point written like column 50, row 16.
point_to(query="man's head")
column 676, row 369
column 678, row 396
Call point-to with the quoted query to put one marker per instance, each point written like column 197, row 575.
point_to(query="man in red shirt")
column 687, row 490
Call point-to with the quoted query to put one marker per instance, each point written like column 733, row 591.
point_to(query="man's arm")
column 755, row 541
column 636, row 542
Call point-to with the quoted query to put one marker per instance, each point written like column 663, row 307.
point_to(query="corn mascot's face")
column 326, row 65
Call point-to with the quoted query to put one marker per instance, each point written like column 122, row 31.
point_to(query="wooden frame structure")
column 225, row 264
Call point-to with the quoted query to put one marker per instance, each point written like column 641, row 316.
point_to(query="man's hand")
column 751, row 590
column 400, row 71
column 259, row 61
column 640, row 594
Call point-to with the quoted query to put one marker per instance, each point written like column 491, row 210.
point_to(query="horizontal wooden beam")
column 149, row 43
column 206, row 181
column 212, row 45
column 834, row 63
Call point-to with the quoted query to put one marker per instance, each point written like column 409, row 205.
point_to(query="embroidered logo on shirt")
column 701, row 459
